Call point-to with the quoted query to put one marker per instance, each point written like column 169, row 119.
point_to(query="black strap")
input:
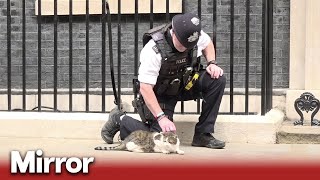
column 201, row 80
column 201, row 85
column 116, row 99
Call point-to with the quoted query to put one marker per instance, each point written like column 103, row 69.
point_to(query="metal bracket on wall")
column 307, row 102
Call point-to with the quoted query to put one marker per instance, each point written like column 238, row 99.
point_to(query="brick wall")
column 281, row 44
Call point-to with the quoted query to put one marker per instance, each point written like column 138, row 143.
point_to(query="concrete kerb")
column 231, row 128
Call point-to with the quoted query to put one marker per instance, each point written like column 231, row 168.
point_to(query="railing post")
column 270, row 54
column 70, row 53
column 39, row 55
column 103, row 62
column 267, row 56
column 9, row 53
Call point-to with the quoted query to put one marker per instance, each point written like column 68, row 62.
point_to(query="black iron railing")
column 106, row 19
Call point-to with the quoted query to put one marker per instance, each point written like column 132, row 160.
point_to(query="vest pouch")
column 161, row 89
column 173, row 87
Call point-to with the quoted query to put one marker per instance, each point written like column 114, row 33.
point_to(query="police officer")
column 169, row 71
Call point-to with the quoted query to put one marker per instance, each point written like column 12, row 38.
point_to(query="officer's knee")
column 217, row 84
column 222, row 80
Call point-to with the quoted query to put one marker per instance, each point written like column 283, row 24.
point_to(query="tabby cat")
column 148, row 142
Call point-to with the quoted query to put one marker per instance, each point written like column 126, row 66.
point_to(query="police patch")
column 195, row 21
column 180, row 61
column 155, row 48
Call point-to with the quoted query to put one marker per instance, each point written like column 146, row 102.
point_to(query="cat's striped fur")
column 148, row 142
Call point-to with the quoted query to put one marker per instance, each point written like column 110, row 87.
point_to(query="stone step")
column 230, row 128
column 306, row 134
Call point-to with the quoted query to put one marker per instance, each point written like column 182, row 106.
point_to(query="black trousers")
column 210, row 90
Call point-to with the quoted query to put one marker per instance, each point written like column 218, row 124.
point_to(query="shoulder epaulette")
column 156, row 49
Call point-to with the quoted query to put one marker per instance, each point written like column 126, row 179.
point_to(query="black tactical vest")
column 173, row 64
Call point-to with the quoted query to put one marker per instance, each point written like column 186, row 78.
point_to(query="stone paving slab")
column 233, row 153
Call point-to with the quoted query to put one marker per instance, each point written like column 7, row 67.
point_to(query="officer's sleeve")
column 150, row 64
column 203, row 42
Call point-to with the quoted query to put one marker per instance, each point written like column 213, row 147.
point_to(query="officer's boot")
column 207, row 140
column 112, row 126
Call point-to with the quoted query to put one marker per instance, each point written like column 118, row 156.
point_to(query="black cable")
column 111, row 58
column 37, row 107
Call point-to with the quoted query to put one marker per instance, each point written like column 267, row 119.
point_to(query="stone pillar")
column 312, row 45
column 304, row 53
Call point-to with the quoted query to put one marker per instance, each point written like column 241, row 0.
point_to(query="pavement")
column 233, row 153
column 77, row 134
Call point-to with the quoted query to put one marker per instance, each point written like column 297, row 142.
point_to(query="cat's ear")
column 172, row 140
column 157, row 137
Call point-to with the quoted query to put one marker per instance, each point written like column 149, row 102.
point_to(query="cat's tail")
column 110, row 148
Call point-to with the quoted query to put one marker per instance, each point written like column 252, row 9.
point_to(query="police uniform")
column 165, row 67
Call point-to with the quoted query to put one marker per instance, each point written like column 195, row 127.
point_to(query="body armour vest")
column 173, row 64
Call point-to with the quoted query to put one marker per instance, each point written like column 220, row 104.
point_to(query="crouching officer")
column 169, row 71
